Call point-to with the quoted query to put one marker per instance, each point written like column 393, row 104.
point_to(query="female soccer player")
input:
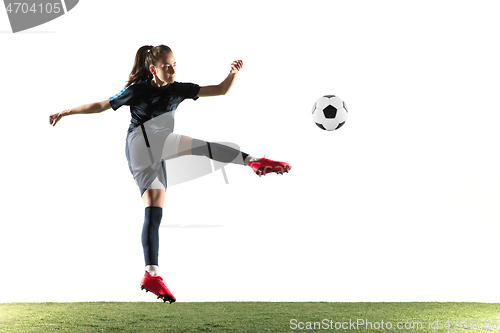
column 153, row 96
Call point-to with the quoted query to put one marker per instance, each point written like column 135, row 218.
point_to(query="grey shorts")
column 150, row 173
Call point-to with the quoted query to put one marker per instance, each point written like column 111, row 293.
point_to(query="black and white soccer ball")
column 329, row 112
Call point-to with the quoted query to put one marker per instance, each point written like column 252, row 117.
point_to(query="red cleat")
column 155, row 285
column 265, row 166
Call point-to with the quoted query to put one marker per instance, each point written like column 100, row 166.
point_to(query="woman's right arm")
column 83, row 109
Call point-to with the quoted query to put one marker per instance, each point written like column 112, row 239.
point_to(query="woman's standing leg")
column 153, row 202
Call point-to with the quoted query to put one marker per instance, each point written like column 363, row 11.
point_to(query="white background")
column 401, row 204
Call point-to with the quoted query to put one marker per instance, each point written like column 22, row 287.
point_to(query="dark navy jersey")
column 147, row 102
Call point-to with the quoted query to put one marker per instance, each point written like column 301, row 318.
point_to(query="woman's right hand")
column 54, row 118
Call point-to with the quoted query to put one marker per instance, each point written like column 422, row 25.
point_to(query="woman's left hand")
column 236, row 66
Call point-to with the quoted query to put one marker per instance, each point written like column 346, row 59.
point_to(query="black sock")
column 245, row 155
column 217, row 152
column 150, row 234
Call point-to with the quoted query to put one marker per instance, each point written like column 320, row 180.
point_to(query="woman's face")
column 165, row 68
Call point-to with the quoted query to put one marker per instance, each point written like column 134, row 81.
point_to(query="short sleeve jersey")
column 147, row 102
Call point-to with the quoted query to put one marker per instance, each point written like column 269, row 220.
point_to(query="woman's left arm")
column 224, row 87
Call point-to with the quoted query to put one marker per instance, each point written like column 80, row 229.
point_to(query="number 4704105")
column 487, row 324
column 24, row 8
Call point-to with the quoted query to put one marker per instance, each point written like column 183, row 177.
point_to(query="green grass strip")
column 248, row 317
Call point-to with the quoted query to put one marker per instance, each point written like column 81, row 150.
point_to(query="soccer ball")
column 329, row 112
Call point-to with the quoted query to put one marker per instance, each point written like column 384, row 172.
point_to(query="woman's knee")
column 153, row 197
column 185, row 144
